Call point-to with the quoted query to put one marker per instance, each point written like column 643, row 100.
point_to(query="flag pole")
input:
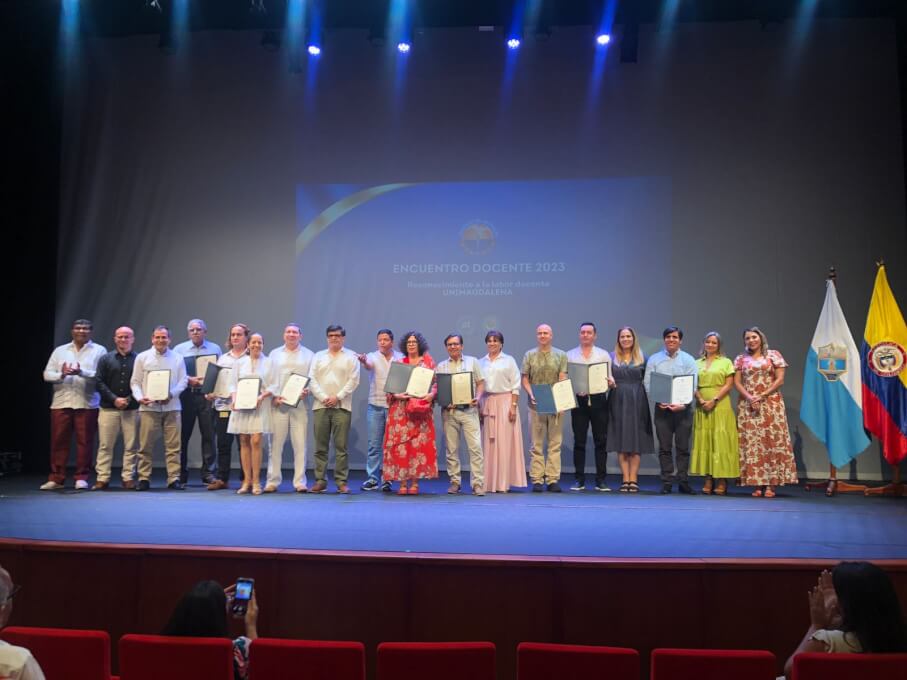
column 833, row 485
column 896, row 487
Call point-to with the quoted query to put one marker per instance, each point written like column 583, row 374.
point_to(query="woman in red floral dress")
column 766, row 454
column 410, row 453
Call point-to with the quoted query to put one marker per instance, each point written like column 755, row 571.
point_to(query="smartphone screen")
column 242, row 596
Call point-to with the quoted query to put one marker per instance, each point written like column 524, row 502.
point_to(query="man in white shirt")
column 16, row 663
column 285, row 419
column 194, row 405
column 591, row 409
column 74, row 408
column 378, row 364
column 463, row 418
column 334, row 377
column 162, row 415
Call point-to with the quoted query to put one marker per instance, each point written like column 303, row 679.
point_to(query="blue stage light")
column 314, row 50
column 403, row 47
column 602, row 39
column 513, row 43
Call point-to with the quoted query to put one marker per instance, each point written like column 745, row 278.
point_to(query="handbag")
column 418, row 407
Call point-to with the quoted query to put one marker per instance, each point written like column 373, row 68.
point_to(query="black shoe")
column 176, row 486
column 554, row 487
column 184, row 478
column 665, row 488
column 208, row 479
column 370, row 485
column 143, row 485
column 538, row 488
column 387, row 487
column 684, row 487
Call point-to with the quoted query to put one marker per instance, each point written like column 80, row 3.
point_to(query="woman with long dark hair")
column 853, row 609
column 203, row 611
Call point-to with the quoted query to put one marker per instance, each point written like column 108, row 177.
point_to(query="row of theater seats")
column 85, row 655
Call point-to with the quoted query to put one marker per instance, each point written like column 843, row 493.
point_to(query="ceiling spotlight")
column 257, row 7
column 602, row 39
column 403, row 47
column 153, row 4
column 513, row 43
column 314, row 50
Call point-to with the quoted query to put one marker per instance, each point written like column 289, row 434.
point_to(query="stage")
column 640, row 571
column 796, row 525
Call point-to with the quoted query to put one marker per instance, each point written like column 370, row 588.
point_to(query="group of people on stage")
column 105, row 393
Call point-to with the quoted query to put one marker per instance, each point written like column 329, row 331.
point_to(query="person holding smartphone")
column 204, row 612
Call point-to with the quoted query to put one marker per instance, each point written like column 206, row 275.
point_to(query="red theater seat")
column 436, row 660
column 155, row 657
column 273, row 659
column 541, row 661
column 65, row 654
column 712, row 664
column 823, row 666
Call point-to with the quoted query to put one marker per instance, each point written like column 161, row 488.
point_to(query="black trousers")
column 674, row 429
column 224, row 446
column 581, row 418
column 196, row 407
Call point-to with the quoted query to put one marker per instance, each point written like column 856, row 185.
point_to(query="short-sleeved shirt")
column 838, row 642
column 544, row 368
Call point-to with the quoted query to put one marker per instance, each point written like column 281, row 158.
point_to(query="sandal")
column 832, row 488
column 245, row 488
column 769, row 492
column 625, row 487
column 707, row 487
column 634, row 487
column 757, row 493
column 414, row 489
column 256, row 489
column 402, row 490
column 721, row 489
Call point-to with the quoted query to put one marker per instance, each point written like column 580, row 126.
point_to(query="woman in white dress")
column 251, row 425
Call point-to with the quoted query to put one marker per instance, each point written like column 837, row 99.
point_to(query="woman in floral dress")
column 766, row 453
column 410, row 453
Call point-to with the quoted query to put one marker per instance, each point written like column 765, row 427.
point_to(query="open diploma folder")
column 197, row 366
column 157, row 384
column 292, row 389
column 589, row 378
column 455, row 389
column 217, row 381
column 407, row 379
column 247, row 393
column 551, row 399
column 671, row 389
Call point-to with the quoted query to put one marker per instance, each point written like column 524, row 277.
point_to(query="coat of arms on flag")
column 832, row 361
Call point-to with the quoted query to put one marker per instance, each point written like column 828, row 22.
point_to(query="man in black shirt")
column 119, row 410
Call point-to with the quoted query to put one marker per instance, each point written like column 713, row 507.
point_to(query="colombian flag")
column 884, row 368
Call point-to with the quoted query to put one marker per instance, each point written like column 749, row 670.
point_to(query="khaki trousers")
column 153, row 423
column 541, row 426
column 467, row 422
column 111, row 422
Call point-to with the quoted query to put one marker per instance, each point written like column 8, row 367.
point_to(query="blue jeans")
column 377, row 420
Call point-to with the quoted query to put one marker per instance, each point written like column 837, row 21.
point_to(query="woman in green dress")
column 715, row 447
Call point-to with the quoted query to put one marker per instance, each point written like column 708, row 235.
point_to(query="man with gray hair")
column 16, row 663
column 195, row 406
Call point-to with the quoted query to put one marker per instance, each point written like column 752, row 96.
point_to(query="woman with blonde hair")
column 716, row 453
column 629, row 420
column 766, row 453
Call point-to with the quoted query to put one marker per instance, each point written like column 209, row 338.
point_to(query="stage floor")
column 795, row 525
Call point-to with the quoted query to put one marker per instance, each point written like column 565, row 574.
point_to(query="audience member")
column 16, row 663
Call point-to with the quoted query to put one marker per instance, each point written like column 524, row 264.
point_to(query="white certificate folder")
column 556, row 398
column 671, row 389
column 408, row 379
column 247, row 390
column 455, row 389
column 589, row 378
column 157, row 384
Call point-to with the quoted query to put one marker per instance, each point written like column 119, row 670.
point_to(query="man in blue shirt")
column 673, row 422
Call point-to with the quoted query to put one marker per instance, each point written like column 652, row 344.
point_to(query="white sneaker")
column 81, row 485
column 50, row 486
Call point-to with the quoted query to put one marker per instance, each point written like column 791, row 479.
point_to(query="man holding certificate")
column 589, row 368
column 378, row 364
column 670, row 382
column 289, row 380
column 460, row 386
column 158, row 379
column 334, row 377
column 544, row 365
column 198, row 352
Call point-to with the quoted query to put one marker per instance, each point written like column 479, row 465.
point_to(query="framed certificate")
column 589, row 378
column 293, row 388
column 157, row 384
column 671, row 389
column 408, row 379
column 247, row 390
column 202, row 361
column 455, row 389
column 419, row 383
column 552, row 399
column 211, row 373
column 223, row 385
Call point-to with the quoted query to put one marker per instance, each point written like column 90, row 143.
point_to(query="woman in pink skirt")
column 502, row 433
